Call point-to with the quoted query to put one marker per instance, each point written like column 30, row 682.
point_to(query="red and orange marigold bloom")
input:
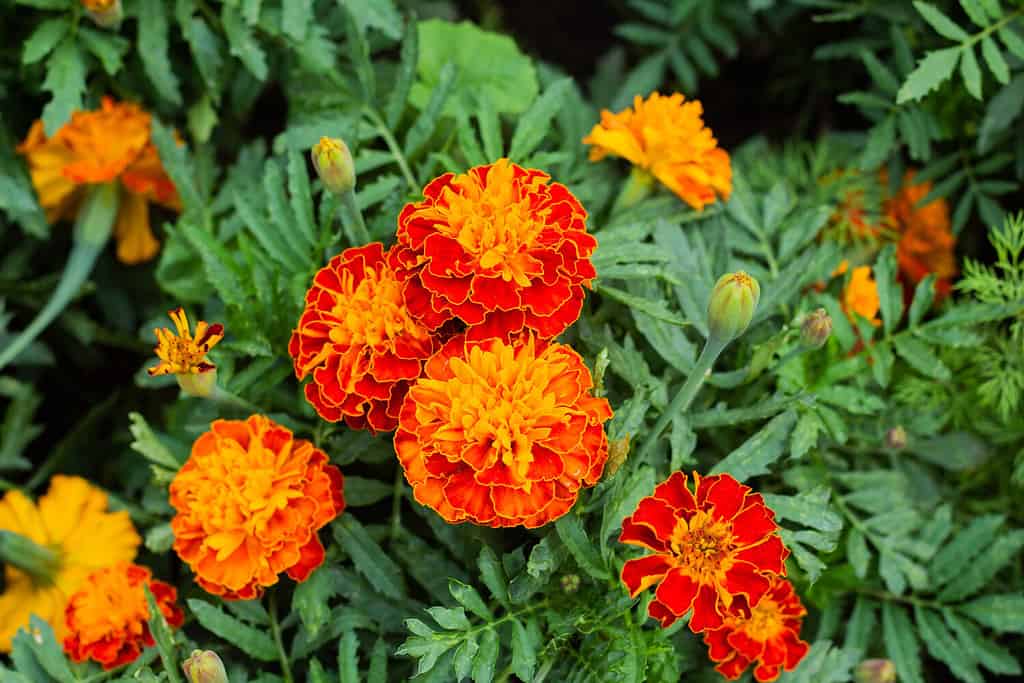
column 711, row 549
column 767, row 634
column 107, row 618
column 102, row 146
column 250, row 500
column 499, row 248
column 358, row 341
column 502, row 434
column 666, row 136
column 926, row 241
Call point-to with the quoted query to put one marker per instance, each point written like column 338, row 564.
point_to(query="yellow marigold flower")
column 667, row 137
column 860, row 296
column 250, row 500
column 182, row 353
column 106, row 145
column 73, row 521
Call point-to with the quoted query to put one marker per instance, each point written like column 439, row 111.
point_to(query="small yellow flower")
column 182, row 353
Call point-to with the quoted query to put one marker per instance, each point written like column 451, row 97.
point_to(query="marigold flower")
column 249, row 501
column 502, row 434
column 107, row 618
column 109, row 144
column 183, row 353
column 667, row 137
column 709, row 549
column 333, row 163
column 498, row 248
column 926, row 241
column 72, row 519
column 358, row 341
column 860, row 296
column 767, row 633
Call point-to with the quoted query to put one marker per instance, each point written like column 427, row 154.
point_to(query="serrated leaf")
column 1002, row 613
column 311, row 597
column 857, row 553
column 983, row 567
column 535, row 123
column 403, row 80
column 805, row 434
column 43, row 39
column 378, row 14
column 241, row 41
column 462, row 662
column 370, row 561
column 994, row 58
column 970, row 72
column 574, row 536
column 881, row 138
column 901, row 643
column 1012, row 41
column 524, row 652
column 156, row 61
column 492, row 574
column 954, row 557
column 936, row 67
column 221, row 270
column 420, row 131
column 940, row 22
column 468, row 597
column 943, row 646
column 254, row 642
column 921, row 357
column 295, row 18
column 924, row 295
column 762, row 449
column 48, row 651
column 486, row 657
column 989, row 655
column 65, row 80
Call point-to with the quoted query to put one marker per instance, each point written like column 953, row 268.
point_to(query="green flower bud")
column 104, row 13
column 876, row 671
column 39, row 562
column 333, row 162
column 816, row 328
column 570, row 583
column 204, row 666
column 896, row 438
column 732, row 305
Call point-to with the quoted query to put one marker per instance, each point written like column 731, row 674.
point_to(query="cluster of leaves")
column 922, row 541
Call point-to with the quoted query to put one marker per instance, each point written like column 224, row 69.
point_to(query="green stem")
column 41, row 563
column 275, row 628
column 92, row 229
column 712, row 350
column 225, row 397
column 638, row 186
column 396, row 151
column 357, row 232
column 396, row 504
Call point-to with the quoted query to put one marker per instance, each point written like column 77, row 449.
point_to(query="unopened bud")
column 570, row 583
column 198, row 384
column 896, row 438
column 617, row 452
column 104, row 13
column 732, row 305
column 204, row 666
column 333, row 162
column 876, row 671
column 816, row 328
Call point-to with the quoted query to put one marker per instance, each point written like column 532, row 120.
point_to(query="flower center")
column 495, row 221
column 703, row 546
column 372, row 311
column 765, row 622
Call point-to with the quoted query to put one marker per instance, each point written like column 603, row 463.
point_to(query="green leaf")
column 156, row 61
column 924, row 295
column 176, row 161
column 207, row 50
column 805, row 434
column 256, row 643
column 955, row 556
column 370, row 561
column 944, row 647
column 489, row 66
column 468, row 597
column 921, row 357
column 492, row 574
column 462, row 662
column 989, row 655
column 901, row 644
column 976, row 12
column 881, row 138
column 311, row 597
column 655, row 309
column 994, row 58
column 857, row 553
column 890, row 292
column 486, row 658
column 161, row 632
column 1012, row 41
column 535, row 123
column 301, row 199
column 295, row 18
column 940, row 22
column 360, row 491
column 420, row 131
column 221, row 270
column 378, row 662
column 983, row 567
column 107, row 48
column 936, row 67
column 359, row 53
column 970, row 72
column 241, row 41
column 403, row 80
column 378, row 14
column 524, row 652
column 48, row 651
column 574, row 536
column 147, row 443
column 450, row 618
column 810, row 508
column 65, row 80
column 759, row 451
column 43, row 39
column 1003, row 613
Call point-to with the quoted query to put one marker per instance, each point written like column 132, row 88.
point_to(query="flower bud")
column 876, row 671
column 816, row 328
column 104, row 13
column 204, row 666
column 617, row 452
column 732, row 305
column 39, row 562
column 333, row 162
column 570, row 583
column 198, row 384
column 896, row 438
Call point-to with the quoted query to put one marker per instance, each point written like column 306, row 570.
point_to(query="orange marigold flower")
column 860, row 296
column 667, row 137
column 72, row 519
column 106, row 145
column 926, row 241
column 183, row 353
column 358, row 341
column 768, row 634
column 498, row 248
column 502, row 434
column 250, row 500
column 107, row 618
column 710, row 549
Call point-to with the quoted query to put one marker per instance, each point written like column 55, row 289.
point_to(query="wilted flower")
column 767, row 634
column 358, row 342
column 896, row 438
column 815, row 329
column 860, row 296
column 249, row 501
column 732, row 304
column 333, row 163
column 184, row 355
column 709, row 549
column 204, row 666
column 667, row 137
column 499, row 248
column 107, row 618
column 502, row 434
column 72, row 520
column 875, row 671
column 106, row 145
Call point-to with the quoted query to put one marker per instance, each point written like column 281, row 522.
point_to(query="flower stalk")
column 638, row 187
column 92, row 230
column 21, row 552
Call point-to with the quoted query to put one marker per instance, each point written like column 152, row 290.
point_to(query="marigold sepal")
column 204, row 666
column 104, row 13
